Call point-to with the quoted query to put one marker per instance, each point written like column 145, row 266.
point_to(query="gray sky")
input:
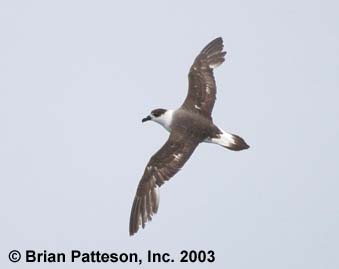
column 78, row 76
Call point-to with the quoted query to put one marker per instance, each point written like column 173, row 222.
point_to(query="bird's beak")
column 146, row 119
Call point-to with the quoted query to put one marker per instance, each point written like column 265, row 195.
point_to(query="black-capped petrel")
column 188, row 125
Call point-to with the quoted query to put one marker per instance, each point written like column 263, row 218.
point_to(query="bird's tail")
column 229, row 141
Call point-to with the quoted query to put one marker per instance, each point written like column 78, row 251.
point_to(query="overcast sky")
column 77, row 77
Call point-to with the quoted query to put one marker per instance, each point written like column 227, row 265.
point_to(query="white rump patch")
column 197, row 107
column 225, row 140
column 208, row 90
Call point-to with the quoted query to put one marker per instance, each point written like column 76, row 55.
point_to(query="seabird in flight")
column 188, row 125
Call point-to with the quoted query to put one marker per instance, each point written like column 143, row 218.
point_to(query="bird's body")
column 194, row 125
column 186, row 122
column 188, row 125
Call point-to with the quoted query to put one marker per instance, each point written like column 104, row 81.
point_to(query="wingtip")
column 213, row 53
column 216, row 44
column 219, row 39
column 143, row 209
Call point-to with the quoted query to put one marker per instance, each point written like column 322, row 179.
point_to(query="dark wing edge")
column 202, row 87
column 163, row 165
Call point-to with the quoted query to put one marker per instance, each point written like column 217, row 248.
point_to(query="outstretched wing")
column 202, row 88
column 162, row 166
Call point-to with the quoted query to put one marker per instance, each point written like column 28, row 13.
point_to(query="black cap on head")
column 158, row 112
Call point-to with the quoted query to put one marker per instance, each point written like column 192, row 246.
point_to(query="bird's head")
column 161, row 116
